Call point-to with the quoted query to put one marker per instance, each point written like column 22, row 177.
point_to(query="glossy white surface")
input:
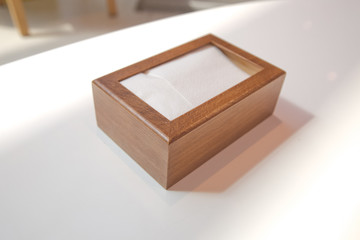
column 62, row 178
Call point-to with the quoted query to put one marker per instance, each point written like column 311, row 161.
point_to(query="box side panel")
column 193, row 149
column 147, row 148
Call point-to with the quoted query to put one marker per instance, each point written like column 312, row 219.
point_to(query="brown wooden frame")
column 172, row 130
column 261, row 73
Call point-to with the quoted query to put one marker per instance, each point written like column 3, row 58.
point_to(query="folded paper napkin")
column 184, row 83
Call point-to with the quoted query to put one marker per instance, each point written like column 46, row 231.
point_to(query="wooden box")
column 169, row 150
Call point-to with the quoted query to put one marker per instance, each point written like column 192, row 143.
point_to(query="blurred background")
column 54, row 23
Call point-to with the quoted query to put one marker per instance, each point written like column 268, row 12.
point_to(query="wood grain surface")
column 147, row 148
column 196, row 147
column 169, row 150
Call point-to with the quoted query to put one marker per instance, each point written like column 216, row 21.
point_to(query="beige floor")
column 54, row 23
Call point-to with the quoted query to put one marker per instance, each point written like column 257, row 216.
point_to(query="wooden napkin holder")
column 170, row 150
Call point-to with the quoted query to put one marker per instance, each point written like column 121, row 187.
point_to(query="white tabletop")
column 295, row 176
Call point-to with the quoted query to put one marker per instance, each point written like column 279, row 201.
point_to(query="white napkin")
column 184, row 83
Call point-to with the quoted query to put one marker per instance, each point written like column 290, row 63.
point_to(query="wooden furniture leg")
column 17, row 13
column 111, row 7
